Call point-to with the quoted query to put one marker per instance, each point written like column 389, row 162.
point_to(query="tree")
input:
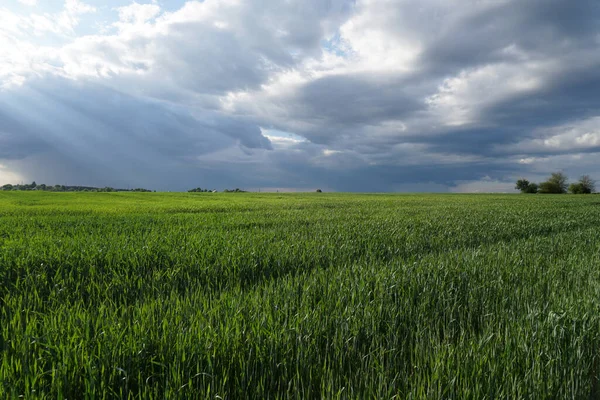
column 526, row 187
column 575, row 188
column 532, row 188
column 200, row 190
column 586, row 185
column 522, row 185
column 557, row 183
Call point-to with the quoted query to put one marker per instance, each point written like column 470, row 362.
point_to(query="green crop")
column 265, row 296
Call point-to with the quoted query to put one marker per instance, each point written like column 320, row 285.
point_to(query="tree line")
column 557, row 183
column 63, row 188
column 200, row 190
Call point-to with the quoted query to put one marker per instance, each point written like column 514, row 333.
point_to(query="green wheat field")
column 266, row 296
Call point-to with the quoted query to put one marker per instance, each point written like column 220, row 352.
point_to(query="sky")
column 341, row 95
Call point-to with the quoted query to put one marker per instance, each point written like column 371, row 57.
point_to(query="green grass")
column 125, row 295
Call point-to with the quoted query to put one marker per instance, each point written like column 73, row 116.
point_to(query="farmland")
column 164, row 295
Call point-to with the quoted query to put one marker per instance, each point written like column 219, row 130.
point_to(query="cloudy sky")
column 344, row 95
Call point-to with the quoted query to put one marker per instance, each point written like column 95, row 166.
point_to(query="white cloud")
column 136, row 14
column 30, row 3
column 528, row 160
column 460, row 100
column 10, row 23
column 68, row 19
column 283, row 140
column 61, row 23
column 576, row 136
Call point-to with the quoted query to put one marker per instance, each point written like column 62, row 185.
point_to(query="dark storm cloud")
column 356, row 176
column 358, row 99
column 560, row 41
column 216, row 61
column 535, row 26
column 337, row 104
column 103, row 133
column 16, row 140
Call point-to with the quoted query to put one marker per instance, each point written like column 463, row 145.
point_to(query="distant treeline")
column 63, row 188
column 557, row 183
column 200, row 190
